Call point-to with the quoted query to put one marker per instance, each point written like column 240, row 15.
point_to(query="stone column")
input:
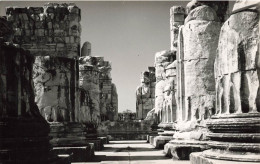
column 23, row 131
column 197, row 46
column 145, row 94
column 235, row 126
column 90, row 92
column 162, row 99
column 86, row 49
column 108, row 93
column 52, row 34
column 98, row 95
column 177, row 15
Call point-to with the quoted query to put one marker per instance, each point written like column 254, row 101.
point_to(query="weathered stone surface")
column 90, row 91
column 238, row 155
column 6, row 31
column 182, row 149
column 160, row 141
column 235, row 126
column 203, row 12
column 238, row 41
column 200, row 37
column 145, row 93
column 237, row 64
column 86, row 49
column 109, row 97
column 220, row 7
column 98, row 97
column 77, row 154
column 23, row 131
column 194, row 84
column 54, row 80
column 52, row 30
column 242, row 5
column 177, row 14
column 198, row 158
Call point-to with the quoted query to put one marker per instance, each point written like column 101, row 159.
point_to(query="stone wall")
column 52, row 30
column 125, row 130
column 126, row 116
column 52, row 34
column 145, row 93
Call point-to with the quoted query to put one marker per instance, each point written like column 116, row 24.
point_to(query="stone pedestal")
column 181, row 149
column 198, row 158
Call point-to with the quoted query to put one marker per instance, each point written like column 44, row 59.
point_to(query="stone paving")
column 131, row 152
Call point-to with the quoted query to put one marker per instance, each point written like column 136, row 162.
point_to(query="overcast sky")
column 126, row 33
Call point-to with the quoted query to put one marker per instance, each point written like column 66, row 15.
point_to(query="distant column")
column 86, row 49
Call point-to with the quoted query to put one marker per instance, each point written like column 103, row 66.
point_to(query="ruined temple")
column 200, row 101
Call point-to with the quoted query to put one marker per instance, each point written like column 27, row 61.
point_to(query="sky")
column 128, row 34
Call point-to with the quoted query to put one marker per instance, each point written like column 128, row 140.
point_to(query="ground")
column 131, row 152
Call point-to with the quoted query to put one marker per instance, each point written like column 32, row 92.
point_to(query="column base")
column 25, row 140
column 181, row 149
column 98, row 144
column 77, row 154
column 70, row 138
column 198, row 158
column 249, row 152
column 160, row 141
column 104, row 140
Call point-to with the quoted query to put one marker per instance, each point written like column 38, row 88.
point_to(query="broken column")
column 23, row 131
column 197, row 45
column 52, row 34
column 234, row 129
column 98, row 95
column 169, row 112
column 162, row 60
column 145, row 93
column 108, row 92
column 89, row 97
